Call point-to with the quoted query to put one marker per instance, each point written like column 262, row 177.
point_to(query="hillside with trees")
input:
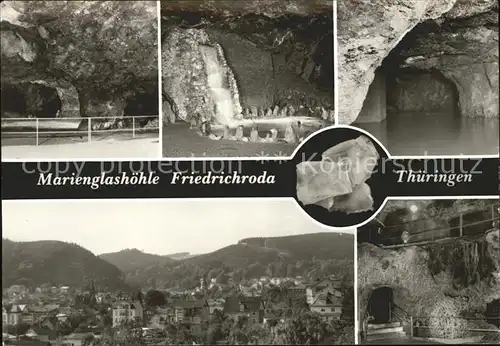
column 57, row 263
column 131, row 259
column 310, row 255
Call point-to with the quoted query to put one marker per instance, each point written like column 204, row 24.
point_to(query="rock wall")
column 70, row 103
column 432, row 295
column 421, row 91
column 266, row 79
column 375, row 104
column 90, row 52
column 256, row 77
column 467, row 56
column 184, row 76
column 369, row 30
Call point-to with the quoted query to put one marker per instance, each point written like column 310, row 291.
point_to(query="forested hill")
column 57, row 263
column 131, row 259
column 308, row 255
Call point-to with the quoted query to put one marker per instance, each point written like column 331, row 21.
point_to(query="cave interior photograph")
column 436, row 92
column 267, row 72
column 428, row 271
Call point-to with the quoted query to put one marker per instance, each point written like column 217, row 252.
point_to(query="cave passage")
column 30, row 99
column 13, row 102
column 142, row 103
column 380, row 305
column 493, row 312
column 427, row 93
column 416, row 111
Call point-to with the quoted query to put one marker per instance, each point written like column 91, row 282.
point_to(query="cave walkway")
column 403, row 341
column 469, row 231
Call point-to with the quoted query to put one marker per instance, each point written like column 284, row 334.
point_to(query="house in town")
column 215, row 304
column 320, row 285
column 13, row 314
column 41, row 334
column 250, row 307
column 299, row 290
column 327, row 304
column 125, row 311
column 76, row 339
column 186, row 311
column 161, row 317
column 271, row 318
column 8, row 317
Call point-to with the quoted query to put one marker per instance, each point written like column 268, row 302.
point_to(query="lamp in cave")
column 405, row 236
column 413, row 208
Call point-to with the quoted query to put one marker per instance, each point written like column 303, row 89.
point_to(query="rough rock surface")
column 417, row 92
column 185, row 78
column 93, row 53
column 465, row 52
column 369, row 30
column 421, row 290
column 268, row 8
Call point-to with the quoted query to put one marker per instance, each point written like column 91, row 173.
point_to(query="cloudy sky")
column 155, row 226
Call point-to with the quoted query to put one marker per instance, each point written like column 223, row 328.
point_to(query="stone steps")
column 386, row 336
column 384, row 325
column 386, row 331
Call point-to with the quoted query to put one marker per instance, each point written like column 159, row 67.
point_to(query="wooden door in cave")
column 380, row 304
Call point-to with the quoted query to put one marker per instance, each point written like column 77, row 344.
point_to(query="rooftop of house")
column 249, row 304
column 77, row 336
column 188, row 304
column 326, row 299
column 123, row 304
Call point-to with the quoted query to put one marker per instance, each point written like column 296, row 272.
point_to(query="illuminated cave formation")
column 248, row 69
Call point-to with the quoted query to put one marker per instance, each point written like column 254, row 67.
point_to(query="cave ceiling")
column 435, row 207
column 271, row 25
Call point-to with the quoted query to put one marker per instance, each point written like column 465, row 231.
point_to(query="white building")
column 124, row 311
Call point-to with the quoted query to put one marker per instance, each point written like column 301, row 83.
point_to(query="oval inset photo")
column 339, row 176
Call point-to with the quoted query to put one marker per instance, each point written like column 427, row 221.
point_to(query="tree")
column 178, row 334
column 155, row 298
column 18, row 329
column 88, row 341
column 348, row 306
column 139, row 296
column 306, row 329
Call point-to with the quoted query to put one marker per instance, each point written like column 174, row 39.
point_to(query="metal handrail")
column 449, row 228
column 80, row 118
column 450, row 216
column 89, row 130
column 405, row 315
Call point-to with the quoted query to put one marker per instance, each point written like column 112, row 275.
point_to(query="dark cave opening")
column 141, row 104
column 31, row 100
column 323, row 56
column 429, row 93
column 13, row 102
column 417, row 104
column 493, row 312
column 380, row 305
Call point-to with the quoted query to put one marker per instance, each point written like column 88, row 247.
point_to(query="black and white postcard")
column 250, row 172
